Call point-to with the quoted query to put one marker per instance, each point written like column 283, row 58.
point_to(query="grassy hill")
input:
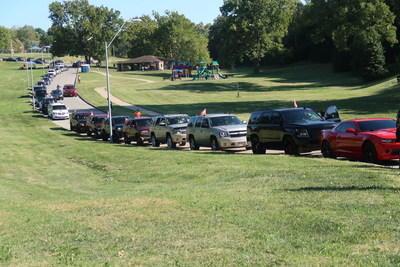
column 66, row 199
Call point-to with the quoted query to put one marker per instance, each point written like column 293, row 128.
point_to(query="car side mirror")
column 351, row 130
column 244, row 122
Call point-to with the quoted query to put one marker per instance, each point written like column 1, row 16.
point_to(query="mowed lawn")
column 67, row 199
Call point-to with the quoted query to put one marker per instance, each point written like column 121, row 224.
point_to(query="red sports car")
column 369, row 139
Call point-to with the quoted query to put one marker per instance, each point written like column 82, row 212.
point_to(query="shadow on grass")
column 346, row 188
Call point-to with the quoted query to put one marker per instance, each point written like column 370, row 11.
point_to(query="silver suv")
column 217, row 131
column 170, row 129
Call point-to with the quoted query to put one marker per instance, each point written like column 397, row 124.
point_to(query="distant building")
column 144, row 63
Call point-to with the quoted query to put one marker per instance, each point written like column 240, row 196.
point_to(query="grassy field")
column 66, row 199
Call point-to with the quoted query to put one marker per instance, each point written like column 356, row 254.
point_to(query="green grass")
column 69, row 200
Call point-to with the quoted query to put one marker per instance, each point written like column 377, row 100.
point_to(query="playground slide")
column 222, row 76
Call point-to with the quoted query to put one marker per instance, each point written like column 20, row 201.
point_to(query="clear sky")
column 36, row 12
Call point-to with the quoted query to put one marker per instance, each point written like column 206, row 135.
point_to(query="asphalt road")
column 72, row 103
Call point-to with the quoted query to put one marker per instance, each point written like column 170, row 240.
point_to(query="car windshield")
column 41, row 93
column 119, row 120
column 56, row 92
column 98, row 119
column 143, row 123
column 367, row 126
column 301, row 115
column 177, row 120
column 226, row 120
column 58, row 107
column 69, row 87
column 83, row 116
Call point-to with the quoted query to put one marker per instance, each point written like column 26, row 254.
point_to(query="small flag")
column 91, row 113
column 295, row 103
column 74, row 110
column 204, row 112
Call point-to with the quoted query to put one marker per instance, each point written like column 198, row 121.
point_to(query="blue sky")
column 36, row 12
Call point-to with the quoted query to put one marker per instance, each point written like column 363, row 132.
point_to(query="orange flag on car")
column 204, row 112
column 295, row 103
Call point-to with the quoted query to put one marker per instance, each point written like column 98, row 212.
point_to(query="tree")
column 80, row 29
column 176, row 38
column 140, row 37
column 27, row 35
column 5, row 38
column 258, row 26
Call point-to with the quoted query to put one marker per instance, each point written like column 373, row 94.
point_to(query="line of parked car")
column 295, row 130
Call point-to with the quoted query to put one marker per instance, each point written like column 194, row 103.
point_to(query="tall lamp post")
column 107, row 45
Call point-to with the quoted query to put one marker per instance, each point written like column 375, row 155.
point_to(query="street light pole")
column 108, row 78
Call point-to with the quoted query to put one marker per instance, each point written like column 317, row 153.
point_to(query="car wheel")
column 89, row 133
column 126, row 140
column 171, row 144
column 257, row 147
column 369, row 153
column 96, row 134
column 192, row 144
column 104, row 136
column 182, row 143
column 154, row 141
column 326, row 150
column 115, row 138
column 290, row 147
column 214, row 144
column 139, row 141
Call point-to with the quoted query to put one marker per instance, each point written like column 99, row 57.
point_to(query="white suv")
column 58, row 111
column 217, row 131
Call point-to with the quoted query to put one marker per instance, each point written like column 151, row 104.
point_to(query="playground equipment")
column 204, row 72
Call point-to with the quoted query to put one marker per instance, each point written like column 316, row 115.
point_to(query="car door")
column 263, row 130
column 204, row 132
column 331, row 114
column 349, row 143
column 275, row 131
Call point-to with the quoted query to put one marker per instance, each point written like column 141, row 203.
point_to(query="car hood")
column 384, row 133
column 230, row 128
column 311, row 124
column 144, row 128
column 180, row 125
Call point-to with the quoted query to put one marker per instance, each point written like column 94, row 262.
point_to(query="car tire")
column 182, row 143
column 290, row 147
column 192, row 144
column 214, row 144
column 115, row 138
column 154, row 141
column 89, row 133
column 104, row 136
column 257, row 147
column 127, row 141
column 369, row 153
column 170, row 144
column 139, row 141
column 326, row 150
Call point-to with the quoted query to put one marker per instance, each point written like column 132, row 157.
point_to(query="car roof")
column 172, row 115
column 69, row 84
column 140, row 118
column 366, row 119
column 282, row 109
column 58, row 104
column 213, row 115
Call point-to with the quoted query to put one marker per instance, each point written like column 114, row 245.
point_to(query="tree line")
column 360, row 36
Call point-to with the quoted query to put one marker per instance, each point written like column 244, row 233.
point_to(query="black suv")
column 295, row 130
column 117, row 125
column 77, row 121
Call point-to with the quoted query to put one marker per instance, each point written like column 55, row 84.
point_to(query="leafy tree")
column 258, row 26
column 141, row 37
column 80, row 29
column 27, row 35
column 176, row 38
column 5, row 38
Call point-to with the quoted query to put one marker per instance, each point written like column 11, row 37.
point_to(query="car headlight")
column 119, row 129
column 177, row 131
column 302, row 132
column 388, row 141
column 223, row 134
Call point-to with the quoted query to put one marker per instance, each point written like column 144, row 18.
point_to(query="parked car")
column 52, row 73
column 117, row 124
column 295, row 130
column 45, row 104
column 170, row 129
column 372, row 140
column 77, row 121
column 46, row 80
column 57, row 94
column 41, row 83
column 217, row 131
column 11, row 59
column 40, row 94
column 70, row 90
column 58, row 111
column 94, row 123
column 136, row 129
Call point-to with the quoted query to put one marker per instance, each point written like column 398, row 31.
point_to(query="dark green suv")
column 295, row 130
